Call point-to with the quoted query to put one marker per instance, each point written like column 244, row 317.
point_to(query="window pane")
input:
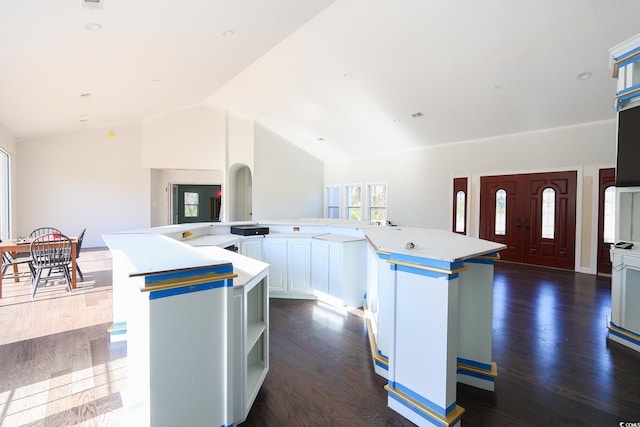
column 378, row 214
column 190, row 204
column 354, row 201
column 501, row 212
column 548, row 213
column 378, row 202
column 354, row 195
column 609, row 214
column 355, row 213
column 333, row 202
column 460, row 199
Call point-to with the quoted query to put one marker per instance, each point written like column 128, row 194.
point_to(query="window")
column 332, row 203
column 354, row 201
column 190, row 204
column 501, row 212
column 460, row 205
column 609, row 214
column 378, row 202
column 548, row 213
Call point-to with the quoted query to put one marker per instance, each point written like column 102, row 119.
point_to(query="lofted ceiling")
column 340, row 79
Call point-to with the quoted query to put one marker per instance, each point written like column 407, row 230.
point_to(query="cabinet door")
column 275, row 254
column 251, row 248
column 299, row 260
column 320, row 266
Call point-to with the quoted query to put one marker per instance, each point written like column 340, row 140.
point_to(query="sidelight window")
column 548, row 213
column 460, row 214
column 609, row 214
column 460, row 205
column 501, row 212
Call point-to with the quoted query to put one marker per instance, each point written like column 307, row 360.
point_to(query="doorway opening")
column 195, row 203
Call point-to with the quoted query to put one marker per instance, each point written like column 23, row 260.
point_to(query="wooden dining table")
column 14, row 246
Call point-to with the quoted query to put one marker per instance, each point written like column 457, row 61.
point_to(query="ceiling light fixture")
column 84, row 117
column 416, row 115
column 85, row 95
column 347, row 75
column 92, row 26
column 584, row 76
column 498, row 86
column 228, row 33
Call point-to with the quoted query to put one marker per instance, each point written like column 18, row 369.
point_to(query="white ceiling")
column 474, row 69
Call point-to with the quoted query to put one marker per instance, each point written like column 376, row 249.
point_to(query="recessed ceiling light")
column 498, row 86
column 416, row 115
column 228, row 33
column 92, row 26
column 84, row 117
column 85, row 95
column 584, row 76
column 347, row 75
column 396, row 120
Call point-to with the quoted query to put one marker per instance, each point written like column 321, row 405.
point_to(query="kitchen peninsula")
column 427, row 295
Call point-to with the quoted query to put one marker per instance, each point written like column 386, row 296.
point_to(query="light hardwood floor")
column 57, row 367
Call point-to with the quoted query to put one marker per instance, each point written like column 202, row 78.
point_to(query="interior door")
column 533, row 215
column 196, row 203
column 606, row 217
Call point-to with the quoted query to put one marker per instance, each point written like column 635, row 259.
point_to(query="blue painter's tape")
column 479, row 261
column 635, row 338
column 428, row 273
column 383, row 256
column 477, row 375
column 427, row 262
column 473, row 363
column 382, row 365
column 120, row 328
column 184, row 274
column 628, row 89
column 383, row 355
column 424, row 401
column 626, row 54
column 164, row 293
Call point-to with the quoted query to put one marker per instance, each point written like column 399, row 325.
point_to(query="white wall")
column 82, row 179
column 190, row 138
column 287, row 182
column 420, row 181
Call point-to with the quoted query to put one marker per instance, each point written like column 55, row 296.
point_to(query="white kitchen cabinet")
column 252, row 247
column 624, row 326
column 274, row 252
column 290, row 260
column 339, row 269
column 299, row 266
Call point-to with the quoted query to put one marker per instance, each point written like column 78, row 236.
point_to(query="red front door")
column 534, row 215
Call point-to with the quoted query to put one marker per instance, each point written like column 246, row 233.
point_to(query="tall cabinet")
column 624, row 326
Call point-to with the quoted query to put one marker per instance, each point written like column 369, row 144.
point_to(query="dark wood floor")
column 556, row 367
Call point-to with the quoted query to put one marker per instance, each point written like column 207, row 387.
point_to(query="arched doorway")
column 239, row 194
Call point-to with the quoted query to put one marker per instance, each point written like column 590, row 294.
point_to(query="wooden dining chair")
column 52, row 253
column 43, row 231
